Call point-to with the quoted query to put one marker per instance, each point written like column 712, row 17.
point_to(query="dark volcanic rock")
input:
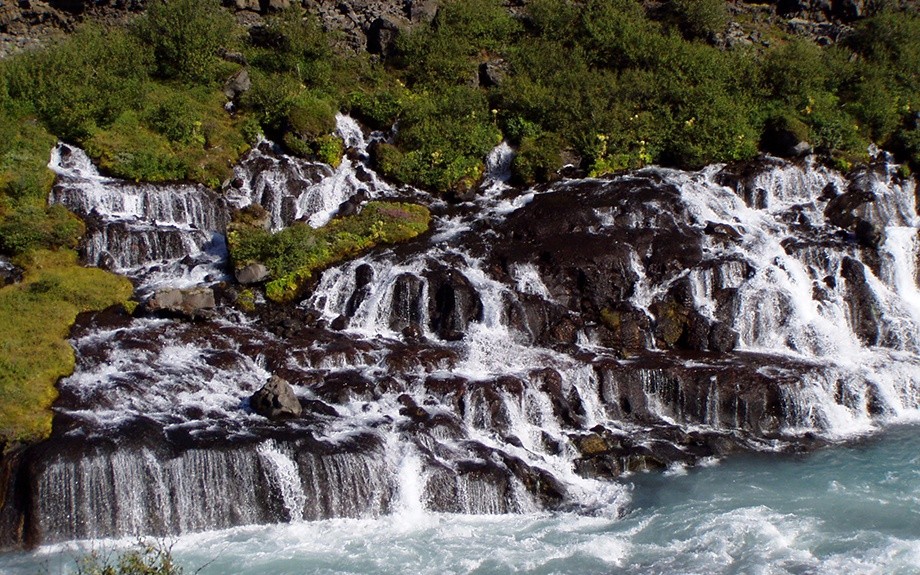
column 455, row 303
column 276, row 400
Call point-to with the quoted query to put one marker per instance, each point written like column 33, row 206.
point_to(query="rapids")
column 533, row 350
column 852, row 509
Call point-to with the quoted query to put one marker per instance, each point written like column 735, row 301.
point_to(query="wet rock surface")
column 534, row 340
column 276, row 400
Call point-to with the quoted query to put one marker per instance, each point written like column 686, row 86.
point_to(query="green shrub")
column 31, row 227
column 132, row 151
column 446, row 51
column 538, row 159
column 329, row 150
column 82, row 82
column 270, row 99
column 832, row 129
column 146, row 559
column 25, row 147
column 186, row 37
column 380, row 108
column 553, row 19
column 175, row 118
column 699, row 18
column 794, row 72
column 617, row 34
column 311, row 117
column 293, row 42
column 444, row 138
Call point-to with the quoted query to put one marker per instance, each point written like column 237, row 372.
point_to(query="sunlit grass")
column 35, row 320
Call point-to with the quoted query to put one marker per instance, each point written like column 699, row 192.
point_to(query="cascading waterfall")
column 497, row 365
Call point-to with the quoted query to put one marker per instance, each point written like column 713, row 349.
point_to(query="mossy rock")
column 295, row 254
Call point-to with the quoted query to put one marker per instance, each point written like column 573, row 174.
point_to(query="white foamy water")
column 847, row 510
column 439, row 327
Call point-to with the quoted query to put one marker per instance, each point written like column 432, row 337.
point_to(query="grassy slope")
column 35, row 319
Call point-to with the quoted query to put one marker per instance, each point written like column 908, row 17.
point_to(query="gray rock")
column 276, row 400
column 193, row 303
column 252, row 274
column 9, row 273
column 237, row 84
column 422, row 10
column 276, row 5
column 381, row 38
column 491, row 74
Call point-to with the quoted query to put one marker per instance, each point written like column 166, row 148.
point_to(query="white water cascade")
column 533, row 348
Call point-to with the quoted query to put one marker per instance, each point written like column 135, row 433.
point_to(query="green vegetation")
column 617, row 87
column 604, row 82
column 146, row 559
column 294, row 254
column 35, row 320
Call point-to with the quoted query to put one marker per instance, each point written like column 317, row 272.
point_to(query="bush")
column 538, row 159
column 442, row 140
column 174, row 117
column 699, row 18
column 311, row 117
column 25, row 147
column 270, row 99
column 147, row 559
column 794, row 72
column 381, row 107
column 132, row 151
column 444, row 53
column 293, row 41
column 30, row 227
column 186, row 37
column 85, row 81
column 617, row 34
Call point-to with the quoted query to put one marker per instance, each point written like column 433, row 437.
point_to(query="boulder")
column 492, row 74
column 276, row 400
column 237, row 84
column 192, row 303
column 253, row 5
column 421, row 10
column 453, row 305
column 252, row 274
column 275, row 5
column 381, row 38
column 9, row 273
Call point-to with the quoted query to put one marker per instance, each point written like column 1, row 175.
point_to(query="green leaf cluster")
column 145, row 559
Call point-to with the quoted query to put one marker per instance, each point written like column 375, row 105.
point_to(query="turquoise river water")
column 852, row 509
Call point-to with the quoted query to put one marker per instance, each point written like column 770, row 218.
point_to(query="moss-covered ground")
column 35, row 320
column 295, row 254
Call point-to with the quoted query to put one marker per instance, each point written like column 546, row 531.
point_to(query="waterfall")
column 286, row 479
column 535, row 347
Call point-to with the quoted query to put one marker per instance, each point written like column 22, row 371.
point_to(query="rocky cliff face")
column 371, row 24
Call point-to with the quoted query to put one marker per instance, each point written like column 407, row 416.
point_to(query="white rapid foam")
column 286, row 477
column 797, row 300
column 292, row 189
column 195, row 382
